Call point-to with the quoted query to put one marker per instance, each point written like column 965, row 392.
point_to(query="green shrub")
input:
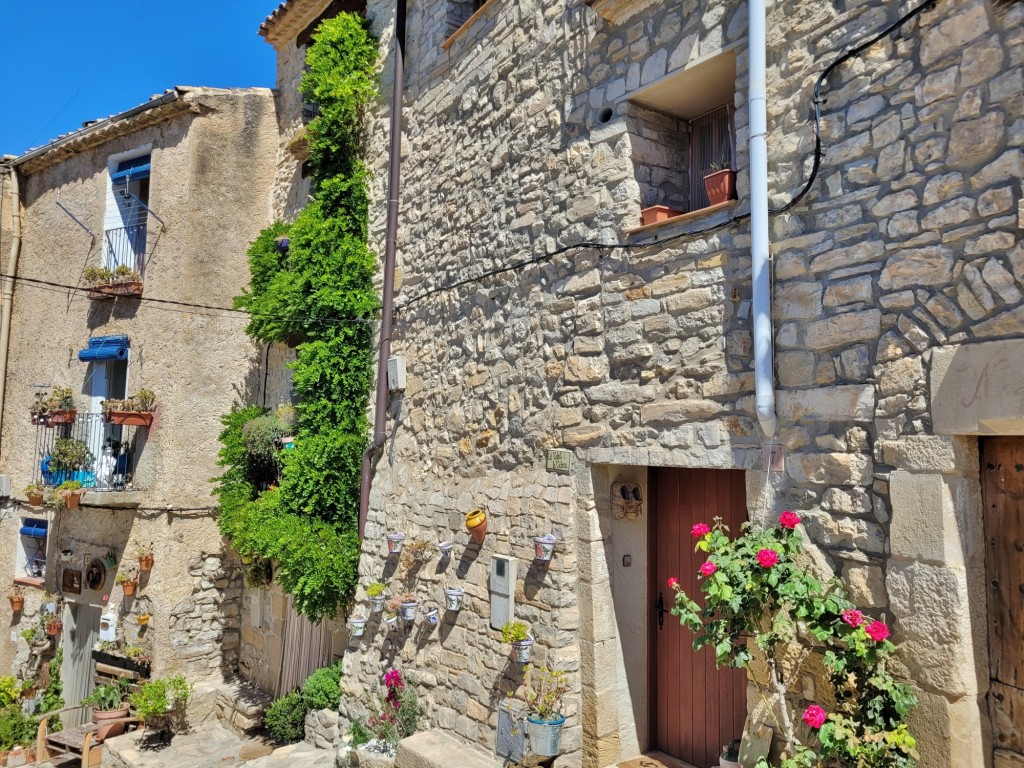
column 16, row 727
column 262, row 437
column 285, row 719
column 358, row 734
column 163, row 696
column 322, row 689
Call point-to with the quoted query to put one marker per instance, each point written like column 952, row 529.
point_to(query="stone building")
column 174, row 190
column 534, row 135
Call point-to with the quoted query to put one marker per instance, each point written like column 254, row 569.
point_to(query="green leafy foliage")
column 318, row 295
column 109, row 696
column 161, row 697
column 285, row 719
column 322, row 689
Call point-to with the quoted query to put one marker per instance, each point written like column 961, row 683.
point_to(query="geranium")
column 789, row 519
column 853, row 618
column 700, row 530
column 707, row 568
column 393, row 679
column 766, row 558
column 673, row 582
column 815, row 716
column 877, row 631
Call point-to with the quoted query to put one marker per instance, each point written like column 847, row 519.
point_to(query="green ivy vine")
column 318, row 296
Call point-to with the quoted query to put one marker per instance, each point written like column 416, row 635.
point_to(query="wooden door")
column 696, row 708
column 307, row 647
column 1003, row 492
column 81, row 631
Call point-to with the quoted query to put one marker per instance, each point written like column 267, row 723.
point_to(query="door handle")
column 660, row 608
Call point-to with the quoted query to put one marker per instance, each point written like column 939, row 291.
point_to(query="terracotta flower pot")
column 129, row 587
column 131, row 418
column 61, row 417
column 720, row 186
column 146, row 562
column 107, row 729
column 72, row 500
column 54, row 628
column 17, row 603
column 35, row 499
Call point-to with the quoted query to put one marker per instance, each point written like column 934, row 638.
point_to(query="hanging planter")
column 431, row 615
column 55, row 418
column 34, row 494
column 143, row 619
column 445, row 548
column 146, row 562
column 408, row 610
column 375, row 594
column 54, row 628
column 521, row 650
column 390, row 621
column 357, row 626
column 66, row 555
column 144, row 554
column 515, row 633
column 453, row 597
column 476, row 523
column 395, row 541
column 17, row 598
column 544, row 547
column 110, row 560
column 247, row 559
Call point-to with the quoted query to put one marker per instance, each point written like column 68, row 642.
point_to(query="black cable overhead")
column 816, row 100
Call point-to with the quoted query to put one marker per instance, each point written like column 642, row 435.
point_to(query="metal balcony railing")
column 126, row 246
column 99, row 455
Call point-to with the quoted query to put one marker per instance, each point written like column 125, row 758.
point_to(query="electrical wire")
column 817, row 101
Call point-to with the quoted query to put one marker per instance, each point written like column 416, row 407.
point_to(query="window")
column 461, row 11
column 127, row 213
column 31, row 555
column 680, row 127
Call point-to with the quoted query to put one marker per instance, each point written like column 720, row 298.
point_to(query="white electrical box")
column 5, row 486
column 396, row 373
column 503, row 590
column 108, row 627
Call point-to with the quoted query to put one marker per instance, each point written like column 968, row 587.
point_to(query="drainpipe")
column 764, row 371
column 7, row 293
column 390, row 246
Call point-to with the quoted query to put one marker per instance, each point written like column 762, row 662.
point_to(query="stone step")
column 437, row 749
column 299, row 755
column 653, row 760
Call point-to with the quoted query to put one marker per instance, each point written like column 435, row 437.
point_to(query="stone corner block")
column 924, row 523
column 849, row 402
column 950, row 734
column 932, row 453
column 437, row 749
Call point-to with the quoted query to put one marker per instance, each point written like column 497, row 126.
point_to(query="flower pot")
column 35, row 499
column 54, row 418
column 476, row 523
column 720, row 186
column 111, row 290
column 17, row 603
column 453, row 597
column 143, row 619
column 72, row 500
column 377, row 603
column 657, row 213
column 357, row 627
column 544, row 547
column 544, row 735
column 110, row 561
column 54, row 628
column 106, row 729
column 432, row 616
column 66, row 555
column 131, row 418
column 445, row 548
column 390, row 621
column 395, row 541
column 129, row 587
column 521, row 650
column 408, row 611
column 146, row 562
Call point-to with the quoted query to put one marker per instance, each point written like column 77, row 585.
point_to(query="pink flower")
column 700, row 530
column 853, row 618
column 789, row 519
column 766, row 558
column 393, row 679
column 673, row 582
column 708, row 568
column 815, row 716
column 877, row 631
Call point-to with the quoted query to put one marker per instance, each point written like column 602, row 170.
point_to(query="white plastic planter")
column 453, row 597
column 357, row 627
column 377, row 603
column 408, row 611
column 395, row 541
column 521, row 651
column 390, row 621
column 545, row 735
column 544, row 547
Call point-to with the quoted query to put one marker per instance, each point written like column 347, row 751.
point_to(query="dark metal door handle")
column 660, row 607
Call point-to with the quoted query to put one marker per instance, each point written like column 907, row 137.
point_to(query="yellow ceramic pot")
column 476, row 522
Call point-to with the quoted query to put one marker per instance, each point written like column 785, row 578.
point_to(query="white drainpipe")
column 7, row 293
column 764, row 374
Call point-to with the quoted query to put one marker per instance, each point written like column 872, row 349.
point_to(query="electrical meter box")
column 108, row 627
column 503, row 590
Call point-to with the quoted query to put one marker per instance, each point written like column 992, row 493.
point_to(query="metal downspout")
column 764, row 369
column 7, row 293
column 390, row 247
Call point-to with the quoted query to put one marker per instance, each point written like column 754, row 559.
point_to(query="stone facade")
column 212, row 153
column 902, row 264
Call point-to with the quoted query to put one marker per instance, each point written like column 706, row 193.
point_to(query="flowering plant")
column 755, row 590
column 398, row 713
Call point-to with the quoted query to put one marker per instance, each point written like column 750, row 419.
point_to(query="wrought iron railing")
column 126, row 246
column 99, row 455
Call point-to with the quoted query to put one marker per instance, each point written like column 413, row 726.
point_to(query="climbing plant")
column 312, row 287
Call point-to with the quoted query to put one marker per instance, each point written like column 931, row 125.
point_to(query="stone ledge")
column 436, row 749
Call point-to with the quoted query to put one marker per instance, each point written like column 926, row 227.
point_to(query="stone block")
column 917, row 266
column 843, row 330
column 439, row 749
column 829, row 468
column 950, row 734
column 931, row 453
column 924, row 522
column 866, row 584
column 841, row 403
column 679, row 412
column 977, row 388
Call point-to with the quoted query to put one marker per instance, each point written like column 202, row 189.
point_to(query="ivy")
column 316, row 294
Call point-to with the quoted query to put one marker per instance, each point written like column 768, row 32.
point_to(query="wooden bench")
column 72, row 746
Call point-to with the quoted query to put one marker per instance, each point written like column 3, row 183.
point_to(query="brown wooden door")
column 696, row 708
column 1003, row 491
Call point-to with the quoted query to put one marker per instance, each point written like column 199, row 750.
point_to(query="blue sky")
column 66, row 61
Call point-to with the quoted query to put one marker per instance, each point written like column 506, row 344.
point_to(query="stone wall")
column 908, row 242
column 206, row 626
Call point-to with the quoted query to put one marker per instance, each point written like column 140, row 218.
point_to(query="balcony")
column 87, row 449
column 124, row 256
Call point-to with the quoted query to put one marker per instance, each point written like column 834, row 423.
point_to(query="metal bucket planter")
column 453, row 597
column 544, row 548
column 521, row 650
column 408, row 611
column 395, row 541
column 544, row 735
column 377, row 603
column 357, row 627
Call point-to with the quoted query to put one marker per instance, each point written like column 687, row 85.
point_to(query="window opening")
column 126, row 224
column 31, row 554
column 711, row 143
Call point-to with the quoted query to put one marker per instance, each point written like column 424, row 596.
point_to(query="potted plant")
column 34, row 494
column 375, row 594
column 453, row 597
column 109, row 702
column 395, row 541
column 720, row 183
column 17, row 597
column 357, row 625
column 38, row 409
column 54, row 626
column 144, row 553
column 431, row 615
column 445, row 548
column 128, row 582
column 136, row 411
column 543, row 690
column 67, row 495
column 110, row 559
column 159, row 701
column 515, row 634
column 103, row 283
column 67, row 460
column 544, row 547
column 390, row 619
column 476, row 523
column 60, row 407
column 416, row 553
column 405, row 605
